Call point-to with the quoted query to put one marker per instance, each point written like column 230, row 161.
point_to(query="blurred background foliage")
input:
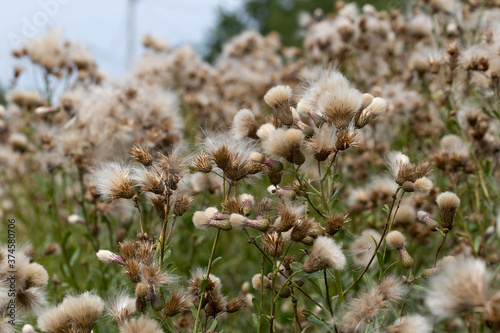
column 266, row 16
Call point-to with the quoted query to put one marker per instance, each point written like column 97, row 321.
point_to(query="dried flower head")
column 177, row 303
column 113, row 181
column 120, row 307
column 141, row 155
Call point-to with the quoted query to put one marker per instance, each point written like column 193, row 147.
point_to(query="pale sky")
column 101, row 26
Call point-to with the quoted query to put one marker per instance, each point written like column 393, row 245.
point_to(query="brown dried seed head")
column 236, row 303
column 177, row 303
column 202, row 163
column 335, row 224
column 273, row 243
column 132, row 270
column 182, row 204
column 127, row 249
column 141, row 155
column 159, row 203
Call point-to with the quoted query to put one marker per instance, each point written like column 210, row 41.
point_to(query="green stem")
column 207, row 276
column 439, row 248
column 327, row 291
column 378, row 244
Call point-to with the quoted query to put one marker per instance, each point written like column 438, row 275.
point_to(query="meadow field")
column 346, row 185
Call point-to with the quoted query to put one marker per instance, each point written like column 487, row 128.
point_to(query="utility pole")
column 130, row 31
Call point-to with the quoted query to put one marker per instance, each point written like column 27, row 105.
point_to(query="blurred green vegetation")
column 266, row 16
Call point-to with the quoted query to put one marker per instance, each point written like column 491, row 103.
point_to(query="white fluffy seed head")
column 325, row 254
column 395, row 160
column 377, row 107
column 28, row 329
column 201, row 220
column 460, row 286
column 256, row 157
column 257, row 280
column 105, row 256
column 211, row 211
column 423, row 185
column 237, row 220
column 367, row 99
column 265, row 130
column 272, row 189
column 245, row 197
column 74, row 218
column 396, row 240
column 339, row 105
column 411, row 324
column 278, row 95
column 142, row 324
column 243, row 123
column 293, row 136
column 83, row 310
column 448, row 200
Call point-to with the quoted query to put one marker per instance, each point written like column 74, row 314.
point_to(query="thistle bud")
column 282, row 291
column 240, row 221
column 141, row 290
column 155, row 301
column 274, row 177
column 427, row 273
column 409, row 187
column 424, row 217
column 140, row 304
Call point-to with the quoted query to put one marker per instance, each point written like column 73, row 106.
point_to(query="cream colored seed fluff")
column 396, row 239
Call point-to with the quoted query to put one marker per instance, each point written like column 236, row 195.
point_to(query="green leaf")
column 255, row 304
column 416, row 286
column 368, row 281
column 337, row 190
column 354, row 275
column 487, row 167
column 318, row 322
column 214, row 325
column 255, row 319
column 386, row 209
column 204, row 284
column 75, row 256
column 65, row 238
column 215, row 260
column 477, row 243
column 193, row 311
column 296, row 266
